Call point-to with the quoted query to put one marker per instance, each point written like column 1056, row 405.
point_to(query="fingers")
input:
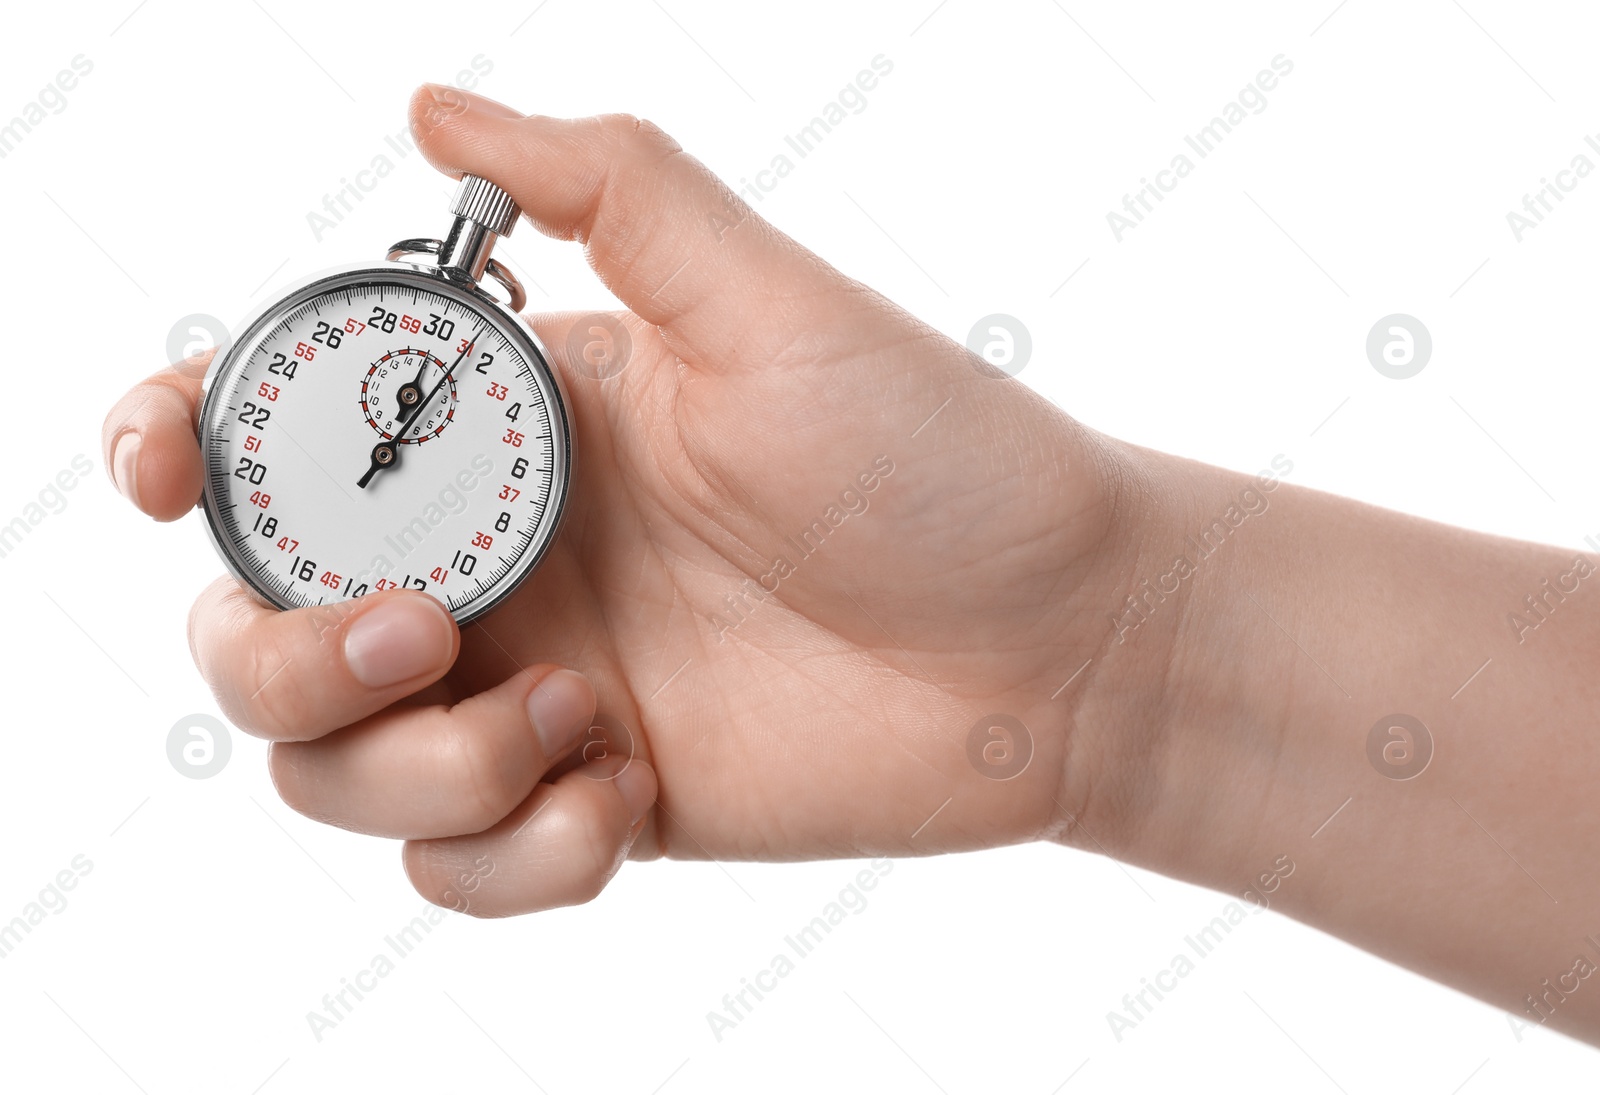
column 293, row 676
column 674, row 243
column 422, row 772
column 559, row 847
column 148, row 441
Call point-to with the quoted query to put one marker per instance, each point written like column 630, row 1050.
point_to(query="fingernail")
column 125, row 464
column 401, row 638
column 637, row 786
column 560, row 707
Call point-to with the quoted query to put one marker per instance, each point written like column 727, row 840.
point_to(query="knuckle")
column 250, row 661
column 592, row 886
column 163, row 398
column 207, row 620
column 424, row 870
column 595, row 853
column 186, row 377
column 210, row 617
column 633, row 134
column 449, row 898
column 431, row 868
column 284, row 768
column 482, row 770
column 196, row 610
column 274, row 705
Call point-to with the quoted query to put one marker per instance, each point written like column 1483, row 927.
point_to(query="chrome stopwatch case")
column 390, row 425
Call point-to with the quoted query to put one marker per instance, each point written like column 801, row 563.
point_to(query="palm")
column 829, row 717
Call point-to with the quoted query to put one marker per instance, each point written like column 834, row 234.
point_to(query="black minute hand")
column 386, row 454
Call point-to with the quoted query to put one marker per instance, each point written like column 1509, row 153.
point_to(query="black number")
column 304, row 571
column 502, row 522
column 520, row 468
column 328, row 335
column 253, row 415
column 464, row 563
column 484, row 362
column 282, row 366
column 359, row 591
column 514, row 411
column 438, row 325
column 383, row 321
column 267, row 527
column 249, row 469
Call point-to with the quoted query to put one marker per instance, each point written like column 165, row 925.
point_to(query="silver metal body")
column 464, row 257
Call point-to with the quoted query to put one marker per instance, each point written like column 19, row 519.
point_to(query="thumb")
column 667, row 237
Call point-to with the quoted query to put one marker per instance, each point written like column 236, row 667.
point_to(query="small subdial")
column 394, row 386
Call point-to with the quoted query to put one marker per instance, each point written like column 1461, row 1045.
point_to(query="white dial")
column 384, row 428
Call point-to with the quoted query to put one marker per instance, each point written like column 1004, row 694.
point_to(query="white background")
column 1227, row 327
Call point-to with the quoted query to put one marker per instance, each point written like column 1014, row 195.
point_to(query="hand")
column 972, row 552
column 812, row 542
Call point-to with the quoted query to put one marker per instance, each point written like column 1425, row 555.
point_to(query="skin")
column 987, row 572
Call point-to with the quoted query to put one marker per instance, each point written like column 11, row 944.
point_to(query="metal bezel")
column 435, row 279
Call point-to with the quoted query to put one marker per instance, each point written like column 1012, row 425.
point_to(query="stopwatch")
column 390, row 425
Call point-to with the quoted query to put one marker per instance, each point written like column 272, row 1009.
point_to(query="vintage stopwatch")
column 390, row 425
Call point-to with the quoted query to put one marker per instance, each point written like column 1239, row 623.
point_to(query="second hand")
column 386, row 454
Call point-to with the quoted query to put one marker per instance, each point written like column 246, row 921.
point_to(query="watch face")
column 384, row 428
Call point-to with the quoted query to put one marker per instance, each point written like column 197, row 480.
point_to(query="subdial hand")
column 409, row 395
column 386, row 454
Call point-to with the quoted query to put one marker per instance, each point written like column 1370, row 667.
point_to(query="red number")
column 509, row 493
column 259, row 499
column 267, row 392
column 252, row 443
column 439, row 574
column 513, row 438
column 384, row 583
column 411, row 323
column 305, row 350
column 482, row 540
column 354, row 326
column 330, row 579
column 286, row 544
column 499, row 391
column 464, row 348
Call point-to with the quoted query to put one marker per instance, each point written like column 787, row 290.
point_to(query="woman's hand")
column 813, row 546
column 831, row 578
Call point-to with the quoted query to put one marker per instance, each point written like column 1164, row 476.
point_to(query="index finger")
column 669, row 238
column 149, row 440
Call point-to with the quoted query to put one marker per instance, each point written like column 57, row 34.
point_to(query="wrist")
column 1243, row 748
column 1177, row 728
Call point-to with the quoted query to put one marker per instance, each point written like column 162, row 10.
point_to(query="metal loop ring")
column 495, row 269
column 415, row 247
column 519, row 295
